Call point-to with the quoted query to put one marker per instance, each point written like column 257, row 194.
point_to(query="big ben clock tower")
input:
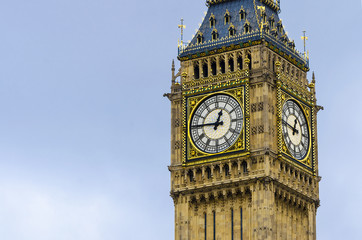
column 244, row 161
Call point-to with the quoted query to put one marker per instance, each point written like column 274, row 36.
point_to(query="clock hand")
column 203, row 125
column 208, row 124
column 294, row 130
column 217, row 123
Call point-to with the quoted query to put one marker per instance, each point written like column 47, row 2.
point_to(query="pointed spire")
column 173, row 71
column 313, row 78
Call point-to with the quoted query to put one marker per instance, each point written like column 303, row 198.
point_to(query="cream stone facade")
column 262, row 191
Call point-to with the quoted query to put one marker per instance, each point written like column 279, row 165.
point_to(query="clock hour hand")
column 217, row 123
column 294, row 129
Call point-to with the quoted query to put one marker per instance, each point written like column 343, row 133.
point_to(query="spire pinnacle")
column 182, row 26
column 173, row 71
column 304, row 38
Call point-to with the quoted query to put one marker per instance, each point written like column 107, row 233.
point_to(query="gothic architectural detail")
column 244, row 159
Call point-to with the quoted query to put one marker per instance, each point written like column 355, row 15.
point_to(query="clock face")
column 216, row 123
column 295, row 130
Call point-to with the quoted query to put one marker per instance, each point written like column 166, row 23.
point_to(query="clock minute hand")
column 203, row 125
column 294, row 130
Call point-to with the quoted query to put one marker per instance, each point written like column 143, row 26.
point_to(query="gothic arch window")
column 247, row 27
column 196, row 70
column 231, row 64
column 242, row 14
column 222, row 65
column 214, row 35
column 231, row 31
column 199, row 38
column 227, row 17
column 240, row 62
column 208, row 172
column 226, row 170
column 245, row 167
column 205, row 69
column 190, row 174
column 213, row 67
column 212, row 21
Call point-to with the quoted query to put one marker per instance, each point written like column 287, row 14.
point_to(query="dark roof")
column 272, row 31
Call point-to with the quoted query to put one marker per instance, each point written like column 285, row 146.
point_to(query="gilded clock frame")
column 308, row 162
column 239, row 90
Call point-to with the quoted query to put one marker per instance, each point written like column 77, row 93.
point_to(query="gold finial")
column 182, row 26
column 304, row 38
column 261, row 8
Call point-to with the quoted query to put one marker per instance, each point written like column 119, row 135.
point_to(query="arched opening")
column 214, row 35
column 231, row 64
column 226, row 170
column 249, row 57
column 217, row 171
column 208, row 172
column 231, row 31
column 212, row 21
column 204, row 70
column 240, row 62
column 245, row 167
column 222, row 66
column 246, row 28
column 199, row 39
column 227, row 18
column 196, row 71
column 190, row 175
column 213, row 67
column 242, row 14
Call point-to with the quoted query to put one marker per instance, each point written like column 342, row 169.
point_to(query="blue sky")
column 84, row 129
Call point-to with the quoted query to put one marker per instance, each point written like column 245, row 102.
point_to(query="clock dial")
column 216, row 123
column 295, row 130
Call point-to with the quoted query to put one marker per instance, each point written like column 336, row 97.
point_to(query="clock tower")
column 244, row 154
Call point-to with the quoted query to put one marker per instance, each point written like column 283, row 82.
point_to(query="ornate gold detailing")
column 296, row 89
column 272, row 3
column 247, row 115
column 309, row 162
column 191, row 154
column 214, row 82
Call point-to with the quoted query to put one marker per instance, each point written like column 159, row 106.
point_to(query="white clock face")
column 295, row 130
column 216, row 123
